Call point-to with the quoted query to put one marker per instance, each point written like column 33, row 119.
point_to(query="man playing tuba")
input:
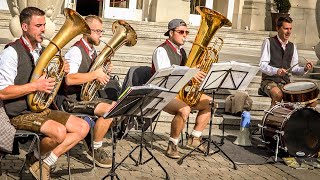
column 17, row 61
column 169, row 53
column 80, row 57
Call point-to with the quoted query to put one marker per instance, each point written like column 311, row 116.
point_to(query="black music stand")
column 139, row 101
column 230, row 76
column 173, row 78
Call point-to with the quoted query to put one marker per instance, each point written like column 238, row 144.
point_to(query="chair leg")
column 92, row 149
column 69, row 168
column 29, row 150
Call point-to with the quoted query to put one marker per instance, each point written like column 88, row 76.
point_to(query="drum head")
column 302, row 133
column 299, row 87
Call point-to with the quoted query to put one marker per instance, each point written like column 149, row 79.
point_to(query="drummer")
column 279, row 57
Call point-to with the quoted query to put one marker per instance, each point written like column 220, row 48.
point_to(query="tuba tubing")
column 123, row 34
column 73, row 26
column 198, row 56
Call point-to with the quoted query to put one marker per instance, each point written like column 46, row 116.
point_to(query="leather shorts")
column 34, row 121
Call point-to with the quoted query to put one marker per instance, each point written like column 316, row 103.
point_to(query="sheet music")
column 173, row 78
column 151, row 97
column 240, row 76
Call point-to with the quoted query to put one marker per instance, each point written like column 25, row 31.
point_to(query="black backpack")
column 111, row 90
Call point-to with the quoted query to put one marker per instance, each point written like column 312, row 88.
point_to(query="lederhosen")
column 174, row 57
column 278, row 58
column 72, row 102
column 17, row 109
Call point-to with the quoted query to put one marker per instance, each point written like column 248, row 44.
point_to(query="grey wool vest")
column 73, row 92
column 279, row 58
column 18, row 106
column 175, row 58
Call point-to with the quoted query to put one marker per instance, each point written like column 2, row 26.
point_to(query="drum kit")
column 292, row 126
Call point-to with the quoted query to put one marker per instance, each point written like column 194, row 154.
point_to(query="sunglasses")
column 181, row 32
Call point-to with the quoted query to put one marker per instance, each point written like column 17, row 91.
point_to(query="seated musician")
column 279, row 56
column 80, row 57
column 62, row 131
column 169, row 53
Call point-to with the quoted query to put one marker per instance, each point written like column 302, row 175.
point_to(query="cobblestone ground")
column 193, row 167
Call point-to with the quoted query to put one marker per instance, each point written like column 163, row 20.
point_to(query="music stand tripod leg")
column 112, row 172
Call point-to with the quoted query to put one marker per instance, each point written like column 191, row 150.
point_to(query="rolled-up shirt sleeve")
column 74, row 58
column 160, row 58
column 8, row 67
column 297, row 70
column 265, row 59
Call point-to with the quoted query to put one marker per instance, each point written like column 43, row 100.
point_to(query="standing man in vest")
column 167, row 54
column 80, row 57
column 277, row 55
column 62, row 131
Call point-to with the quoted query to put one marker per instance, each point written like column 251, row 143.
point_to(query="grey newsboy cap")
column 174, row 23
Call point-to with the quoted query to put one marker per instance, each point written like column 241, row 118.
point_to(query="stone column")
column 50, row 7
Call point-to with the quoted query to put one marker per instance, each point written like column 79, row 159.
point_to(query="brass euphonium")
column 200, row 54
column 51, row 64
column 123, row 34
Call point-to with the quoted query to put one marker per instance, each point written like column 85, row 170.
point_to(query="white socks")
column 96, row 145
column 51, row 159
column 175, row 141
column 196, row 134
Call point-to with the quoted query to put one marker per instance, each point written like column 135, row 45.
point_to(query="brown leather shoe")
column 35, row 171
column 172, row 151
column 194, row 142
column 101, row 157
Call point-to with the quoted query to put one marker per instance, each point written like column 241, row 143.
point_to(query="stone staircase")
column 239, row 45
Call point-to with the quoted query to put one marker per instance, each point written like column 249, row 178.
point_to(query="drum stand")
column 275, row 137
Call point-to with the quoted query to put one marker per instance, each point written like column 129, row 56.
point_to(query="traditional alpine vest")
column 279, row 58
column 18, row 106
column 174, row 57
column 73, row 92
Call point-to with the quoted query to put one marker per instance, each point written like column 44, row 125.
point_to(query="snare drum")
column 300, row 92
column 300, row 127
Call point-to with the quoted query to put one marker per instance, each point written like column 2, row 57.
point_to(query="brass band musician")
column 80, row 57
column 169, row 53
column 278, row 55
column 17, row 61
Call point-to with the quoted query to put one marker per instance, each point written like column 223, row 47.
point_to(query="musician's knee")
column 60, row 134
column 276, row 94
column 184, row 112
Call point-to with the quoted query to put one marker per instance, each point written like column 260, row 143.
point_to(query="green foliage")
column 283, row 6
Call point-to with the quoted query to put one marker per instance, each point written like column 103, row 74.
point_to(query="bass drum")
column 300, row 127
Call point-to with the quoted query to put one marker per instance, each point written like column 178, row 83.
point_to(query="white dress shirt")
column 74, row 56
column 265, row 59
column 9, row 63
column 160, row 57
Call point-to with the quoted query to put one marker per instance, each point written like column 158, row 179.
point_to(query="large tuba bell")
column 200, row 53
column 53, row 64
column 123, row 33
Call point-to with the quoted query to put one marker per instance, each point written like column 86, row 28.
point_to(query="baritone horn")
column 53, row 65
column 200, row 54
column 123, row 34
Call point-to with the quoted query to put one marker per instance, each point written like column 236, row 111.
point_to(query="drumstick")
column 306, row 60
column 290, row 68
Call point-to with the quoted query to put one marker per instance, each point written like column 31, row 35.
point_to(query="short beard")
column 91, row 41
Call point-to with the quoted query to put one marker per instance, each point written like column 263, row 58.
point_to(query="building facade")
column 252, row 15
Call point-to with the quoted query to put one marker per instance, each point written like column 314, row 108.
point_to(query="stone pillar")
column 165, row 10
column 255, row 14
column 50, row 7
